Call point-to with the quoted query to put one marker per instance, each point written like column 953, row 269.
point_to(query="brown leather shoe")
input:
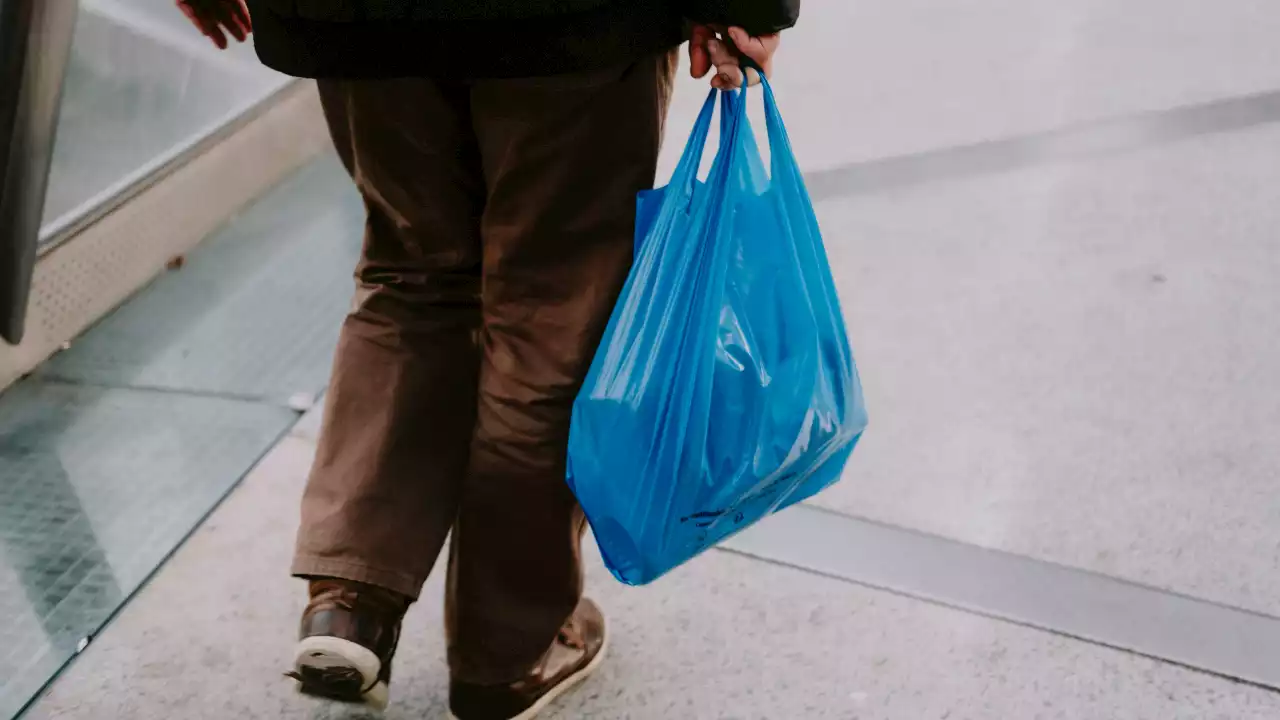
column 347, row 639
column 577, row 651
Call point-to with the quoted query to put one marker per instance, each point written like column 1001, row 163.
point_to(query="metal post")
column 35, row 44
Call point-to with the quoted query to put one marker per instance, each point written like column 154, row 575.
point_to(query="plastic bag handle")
column 732, row 107
column 776, row 129
column 781, row 158
column 687, row 170
column 732, row 148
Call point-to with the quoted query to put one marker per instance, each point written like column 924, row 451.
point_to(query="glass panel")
column 100, row 484
column 142, row 86
column 112, row 451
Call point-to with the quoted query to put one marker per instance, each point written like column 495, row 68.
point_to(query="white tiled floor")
column 865, row 79
column 1077, row 362
column 725, row 637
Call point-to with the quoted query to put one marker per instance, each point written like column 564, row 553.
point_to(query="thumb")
column 751, row 47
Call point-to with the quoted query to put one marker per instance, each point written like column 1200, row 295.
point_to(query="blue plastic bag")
column 725, row 387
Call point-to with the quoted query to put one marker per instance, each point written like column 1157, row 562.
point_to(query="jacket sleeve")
column 757, row 17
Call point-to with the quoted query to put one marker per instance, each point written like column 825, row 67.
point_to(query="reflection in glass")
column 141, row 87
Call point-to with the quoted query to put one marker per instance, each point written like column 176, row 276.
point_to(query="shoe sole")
column 565, row 685
column 337, row 669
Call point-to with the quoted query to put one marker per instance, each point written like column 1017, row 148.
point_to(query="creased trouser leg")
column 400, row 409
column 558, row 237
column 500, row 231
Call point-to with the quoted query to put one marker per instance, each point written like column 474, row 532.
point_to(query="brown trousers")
column 499, row 233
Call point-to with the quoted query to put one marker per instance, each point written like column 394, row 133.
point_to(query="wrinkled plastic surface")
column 725, row 388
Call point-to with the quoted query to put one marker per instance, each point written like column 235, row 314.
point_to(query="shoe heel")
column 338, row 669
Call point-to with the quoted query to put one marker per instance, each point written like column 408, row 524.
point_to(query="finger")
column 230, row 27
column 242, row 14
column 729, row 76
column 227, row 20
column 206, row 26
column 720, row 53
column 749, row 46
column 728, row 67
column 212, row 29
column 699, row 62
column 769, row 42
column 731, row 64
column 699, row 58
column 727, row 64
column 701, row 34
column 191, row 14
column 238, row 25
column 759, row 49
column 216, row 36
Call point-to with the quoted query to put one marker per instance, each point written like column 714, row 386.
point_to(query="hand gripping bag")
column 724, row 388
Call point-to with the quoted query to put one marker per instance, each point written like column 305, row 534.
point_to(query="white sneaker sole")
column 566, row 685
column 314, row 656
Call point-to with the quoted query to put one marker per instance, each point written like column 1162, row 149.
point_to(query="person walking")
column 498, row 146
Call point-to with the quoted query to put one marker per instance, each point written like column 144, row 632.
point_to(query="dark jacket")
column 484, row 38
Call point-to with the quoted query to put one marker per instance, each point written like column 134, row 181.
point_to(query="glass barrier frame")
column 35, row 43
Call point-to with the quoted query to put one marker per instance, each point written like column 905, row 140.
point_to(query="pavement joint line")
column 1097, row 138
column 1229, row 642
